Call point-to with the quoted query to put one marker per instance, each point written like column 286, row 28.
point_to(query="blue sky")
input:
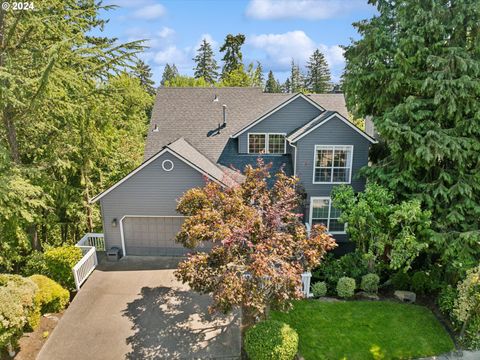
column 276, row 30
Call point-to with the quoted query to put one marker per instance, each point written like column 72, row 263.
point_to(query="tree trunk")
column 34, row 239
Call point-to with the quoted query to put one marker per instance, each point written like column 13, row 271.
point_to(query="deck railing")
column 90, row 243
column 93, row 239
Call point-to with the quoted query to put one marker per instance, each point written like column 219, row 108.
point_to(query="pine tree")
column 144, row 73
column 296, row 78
column 272, row 85
column 318, row 78
column 255, row 75
column 233, row 54
column 169, row 73
column 420, row 83
column 286, row 87
column 206, row 65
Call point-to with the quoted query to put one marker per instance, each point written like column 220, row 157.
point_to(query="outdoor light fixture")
column 114, row 222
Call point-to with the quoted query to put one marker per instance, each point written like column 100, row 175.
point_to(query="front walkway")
column 136, row 309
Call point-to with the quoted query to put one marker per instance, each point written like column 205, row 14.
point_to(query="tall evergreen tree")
column 286, row 87
column 416, row 71
column 272, row 85
column 318, row 78
column 169, row 72
column 144, row 73
column 296, row 78
column 233, row 54
column 255, row 75
column 206, row 65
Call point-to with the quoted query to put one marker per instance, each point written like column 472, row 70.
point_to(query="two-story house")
column 199, row 133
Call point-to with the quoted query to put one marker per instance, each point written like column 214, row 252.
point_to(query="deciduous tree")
column 260, row 246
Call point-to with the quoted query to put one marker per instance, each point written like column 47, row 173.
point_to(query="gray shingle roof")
column 182, row 148
column 192, row 114
column 334, row 102
column 303, row 129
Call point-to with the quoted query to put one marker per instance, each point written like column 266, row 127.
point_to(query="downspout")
column 294, row 158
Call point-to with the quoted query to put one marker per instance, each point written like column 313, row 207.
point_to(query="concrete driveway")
column 136, row 309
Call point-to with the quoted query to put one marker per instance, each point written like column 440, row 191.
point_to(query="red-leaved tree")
column 260, row 244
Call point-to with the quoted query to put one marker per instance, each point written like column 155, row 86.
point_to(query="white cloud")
column 279, row 50
column 166, row 32
column 170, row 55
column 150, row 12
column 301, row 9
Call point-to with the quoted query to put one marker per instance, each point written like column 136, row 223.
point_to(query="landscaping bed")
column 365, row 330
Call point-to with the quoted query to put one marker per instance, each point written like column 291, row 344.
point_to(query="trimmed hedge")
column 346, row 287
column 60, row 262
column 271, row 340
column 50, row 297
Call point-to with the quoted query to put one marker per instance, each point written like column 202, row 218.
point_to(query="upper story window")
column 266, row 143
column 322, row 212
column 332, row 164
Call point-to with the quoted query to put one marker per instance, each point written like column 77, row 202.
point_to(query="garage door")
column 152, row 236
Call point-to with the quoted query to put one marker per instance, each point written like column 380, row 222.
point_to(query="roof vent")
column 215, row 99
column 224, row 115
column 155, row 128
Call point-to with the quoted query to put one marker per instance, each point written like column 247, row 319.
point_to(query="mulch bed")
column 31, row 343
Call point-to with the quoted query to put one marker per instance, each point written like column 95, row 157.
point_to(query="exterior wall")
column 151, row 191
column 334, row 132
column 285, row 120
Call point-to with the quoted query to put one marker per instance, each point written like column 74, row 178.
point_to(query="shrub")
column 50, row 297
column 35, row 264
column 60, row 262
column 467, row 308
column 331, row 269
column 400, row 281
column 370, row 283
column 346, row 287
column 271, row 340
column 420, row 282
column 319, row 289
column 16, row 307
column 446, row 299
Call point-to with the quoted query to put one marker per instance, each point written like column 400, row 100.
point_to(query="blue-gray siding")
column 151, row 191
column 334, row 132
column 285, row 120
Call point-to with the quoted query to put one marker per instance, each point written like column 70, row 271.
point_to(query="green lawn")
column 365, row 330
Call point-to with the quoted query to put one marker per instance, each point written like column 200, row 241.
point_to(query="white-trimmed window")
column 332, row 164
column 266, row 143
column 322, row 212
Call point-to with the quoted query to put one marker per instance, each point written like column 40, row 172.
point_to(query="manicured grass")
column 365, row 330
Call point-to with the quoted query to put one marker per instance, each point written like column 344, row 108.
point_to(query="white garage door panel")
column 153, row 236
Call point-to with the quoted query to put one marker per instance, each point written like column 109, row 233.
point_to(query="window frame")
column 329, row 212
column 332, row 147
column 267, row 143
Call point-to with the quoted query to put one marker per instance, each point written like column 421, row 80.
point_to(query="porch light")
column 114, row 222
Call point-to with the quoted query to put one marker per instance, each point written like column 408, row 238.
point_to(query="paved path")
column 136, row 309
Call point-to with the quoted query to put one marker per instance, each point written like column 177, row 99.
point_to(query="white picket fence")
column 89, row 244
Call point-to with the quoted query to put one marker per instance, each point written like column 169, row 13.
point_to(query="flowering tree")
column 260, row 244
